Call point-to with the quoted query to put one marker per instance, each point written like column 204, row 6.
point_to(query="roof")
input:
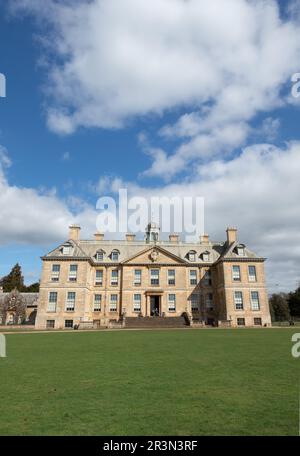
column 87, row 249
column 29, row 298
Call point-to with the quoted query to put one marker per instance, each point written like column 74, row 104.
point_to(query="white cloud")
column 259, row 193
column 116, row 60
column 29, row 216
column 270, row 128
column 66, row 156
column 5, row 160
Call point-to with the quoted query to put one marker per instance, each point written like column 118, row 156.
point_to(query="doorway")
column 155, row 306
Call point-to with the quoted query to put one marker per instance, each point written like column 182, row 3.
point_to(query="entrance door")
column 154, row 306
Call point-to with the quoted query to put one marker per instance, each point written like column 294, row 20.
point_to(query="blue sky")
column 75, row 115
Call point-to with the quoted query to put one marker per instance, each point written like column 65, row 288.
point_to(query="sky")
column 163, row 98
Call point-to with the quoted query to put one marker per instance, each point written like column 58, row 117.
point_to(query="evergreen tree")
column 33, row 288
column 14, row 280
column 294, row 303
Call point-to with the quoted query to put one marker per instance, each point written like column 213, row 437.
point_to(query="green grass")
column 193, row 382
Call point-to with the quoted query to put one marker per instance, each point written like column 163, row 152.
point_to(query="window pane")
column 137, row 299
column 73, row 272
column 97, row 302
column 238, row 299
column 113, row 303
column 99, row 277
column 154, row 276
column 236, row 273
column 172, row 302
column 114, row 277
column 52, row 301
column 70, row 305
column 137, row 276
column 252, row 273
column 195, row 305
column 171, row 276
column 255, row 300
column 55, row 272
column 193, row 277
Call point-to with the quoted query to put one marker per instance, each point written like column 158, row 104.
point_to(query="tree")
column 33, row 288
column 294, row 302
column 14, row 280
column 279, row 307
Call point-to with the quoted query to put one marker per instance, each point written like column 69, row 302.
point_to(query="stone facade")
column 96, row 283
column 30, row 301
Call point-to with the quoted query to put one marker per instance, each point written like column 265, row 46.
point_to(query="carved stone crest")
column 154, row 255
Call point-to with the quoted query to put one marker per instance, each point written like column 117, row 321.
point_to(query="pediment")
column 154, row 255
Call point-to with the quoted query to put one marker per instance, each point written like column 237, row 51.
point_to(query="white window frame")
column 114, row 277
column 52, row 304
column 172, row 302
column 73, row 274
column 70, row 302
column 99, row 256
column 154, row 278
column 252, row 278
column 240, row 318
column 195, row 303
column 241, row 251
column 171, row 277
column 137, row 303
column 99, row 280
column 255, row 303
column 71, row 325
column 67, row 249
column 192, row 257
column 137, row 277
column 115, row 256
column 193, row 278
column 206, row 257
column 55, row 274
column 113, row 303
column 236, row 273
column 97, row 302
column 238, row 303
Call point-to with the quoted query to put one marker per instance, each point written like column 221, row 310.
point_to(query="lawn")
column 180, row 382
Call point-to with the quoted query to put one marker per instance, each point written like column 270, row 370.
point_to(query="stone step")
column 155, row 322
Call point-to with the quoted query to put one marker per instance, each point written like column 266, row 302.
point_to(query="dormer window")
column 67, row 249
column 240, row 250
column 205, row 256
column 192, row 255
column 115, row 255
column 99, row 255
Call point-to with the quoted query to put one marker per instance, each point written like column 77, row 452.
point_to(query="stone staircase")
column 156, row 322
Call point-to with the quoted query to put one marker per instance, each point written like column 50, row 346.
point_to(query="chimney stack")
column 204, row 239
column 74, row 232
column 231, row 235
column 130, row 237
column 174, row 238
column 99, row 236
